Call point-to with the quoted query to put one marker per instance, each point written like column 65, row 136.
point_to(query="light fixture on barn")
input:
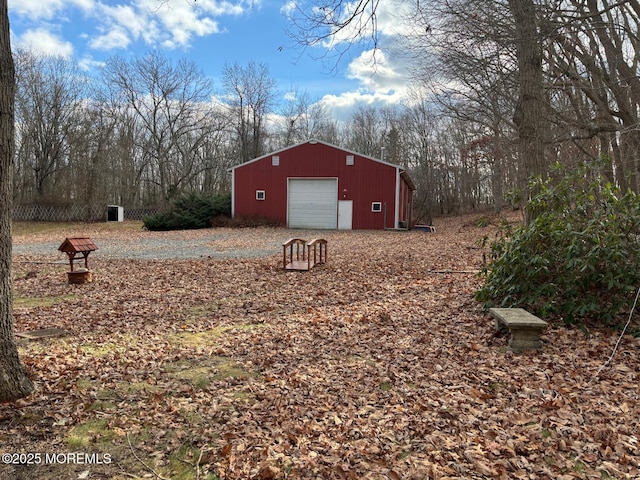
column 344, row 194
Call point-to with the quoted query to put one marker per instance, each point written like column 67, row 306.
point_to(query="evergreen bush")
column 190, row 211
column 578, row 260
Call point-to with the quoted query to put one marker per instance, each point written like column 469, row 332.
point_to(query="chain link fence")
column 73, row 213
column 139, row 213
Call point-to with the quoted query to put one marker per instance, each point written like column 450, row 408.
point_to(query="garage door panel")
column 313, row 203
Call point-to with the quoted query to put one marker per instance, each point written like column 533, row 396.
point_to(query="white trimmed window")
column 376, row 206
column 260, row 195
column 275, row 160
column 350, row 160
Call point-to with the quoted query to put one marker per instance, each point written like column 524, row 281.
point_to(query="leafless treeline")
column 500, row 80
column 535, row 82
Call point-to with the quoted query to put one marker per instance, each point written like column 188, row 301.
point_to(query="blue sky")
column 212, row 33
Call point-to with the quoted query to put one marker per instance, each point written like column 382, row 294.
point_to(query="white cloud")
column 44, row 41
column 289, row 8
column 119, row 26
column 87, row 63
column 116, row 37
column 47, row 9
column 377, row 72
column 389, row 20
column 382, row 80
column 180, row 21
column 167, row 23
column 392, row 17
column 290, row 96
column 343, row 105
column 218, row 9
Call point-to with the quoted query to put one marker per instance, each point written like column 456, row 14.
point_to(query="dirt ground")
column 378, row 364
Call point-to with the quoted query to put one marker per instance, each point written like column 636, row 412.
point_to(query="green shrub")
column 579, row 259
column 190, row 211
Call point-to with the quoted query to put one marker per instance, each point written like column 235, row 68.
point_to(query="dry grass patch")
column 201, row 373
column 36, row 302
column 91, row 434
column 210, row 337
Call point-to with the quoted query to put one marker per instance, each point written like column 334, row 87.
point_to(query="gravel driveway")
column 218, row 243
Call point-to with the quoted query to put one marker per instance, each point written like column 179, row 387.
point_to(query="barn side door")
column 345, row 214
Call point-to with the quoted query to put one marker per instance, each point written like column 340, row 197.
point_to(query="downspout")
column 384, row 217
column 396, row 213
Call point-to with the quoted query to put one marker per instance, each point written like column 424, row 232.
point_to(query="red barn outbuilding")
column 317, row 185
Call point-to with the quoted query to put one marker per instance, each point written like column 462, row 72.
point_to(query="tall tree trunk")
column 14, row 383
column 530, row 113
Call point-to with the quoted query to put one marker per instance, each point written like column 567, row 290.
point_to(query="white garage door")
column 312, row 203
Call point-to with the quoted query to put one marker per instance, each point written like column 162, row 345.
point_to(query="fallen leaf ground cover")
column 378, row 364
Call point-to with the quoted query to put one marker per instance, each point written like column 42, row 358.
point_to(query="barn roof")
column 403, row 172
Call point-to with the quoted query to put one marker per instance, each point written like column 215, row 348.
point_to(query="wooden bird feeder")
column 77, row 248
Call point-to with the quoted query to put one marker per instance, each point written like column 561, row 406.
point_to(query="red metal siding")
column 260, row 175
column 365, row 182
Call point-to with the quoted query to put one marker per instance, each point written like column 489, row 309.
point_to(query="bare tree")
column 489, row 64
column 569, row 64
column 93, row 173
column 301, row 119
column 320, row 125
column 592, row 53
column 471, row 50
column 336, row 24
column 292, row 121
column 172, row 104
column 249, row 93
column 14, row 382
column 364, row 132
column 532, row 108
column 130, row 163
column 420, row 127
column 49, row 97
